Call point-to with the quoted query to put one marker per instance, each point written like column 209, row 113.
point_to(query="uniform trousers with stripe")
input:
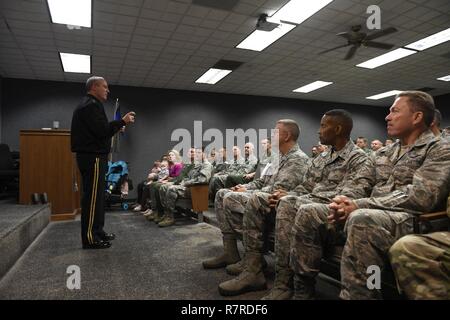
column 93, row 169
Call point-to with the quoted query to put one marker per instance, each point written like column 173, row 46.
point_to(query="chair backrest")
column 6, row 160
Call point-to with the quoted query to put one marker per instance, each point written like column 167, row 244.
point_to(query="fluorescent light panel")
column 430, row 41
column 384, row 95
column 259, row 40
column 446, row 78
column 312, row 86
column 386, row 58
column 294, row 12
column 79, row 63
column 71, row 12
column 297, row 11
column 213, row 75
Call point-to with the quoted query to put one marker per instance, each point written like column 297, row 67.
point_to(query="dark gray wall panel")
column 29, row 104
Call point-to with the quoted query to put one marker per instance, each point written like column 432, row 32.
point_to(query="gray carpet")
column 12, row 215
column 19, row 226
column 145, row 262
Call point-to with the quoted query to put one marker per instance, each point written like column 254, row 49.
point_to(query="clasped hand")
column 275, row 197
column 340, row 209
column 238, row 188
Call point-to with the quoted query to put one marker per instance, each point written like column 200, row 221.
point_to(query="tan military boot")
column 168, row 220
column 282, row 286
column 159, row 218
column 230, row 254
column 151, row 216
column 251, row 279
column 236, row 268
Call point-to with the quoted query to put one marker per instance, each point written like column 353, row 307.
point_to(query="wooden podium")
column 48, row 165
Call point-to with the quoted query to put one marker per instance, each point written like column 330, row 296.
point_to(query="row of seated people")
column 364, row 201
column 170, row 171
column 376, row 144
column 170, row 180
column 225, row 174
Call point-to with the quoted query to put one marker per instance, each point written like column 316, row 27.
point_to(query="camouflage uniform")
column 221, row 168
column 217, row 181
column 232, row 206
column 421, row 264
column 265, row 159
column 406, row 185
column 235, row 179
column 156, row 204
column 200, row 174
column 348, row 171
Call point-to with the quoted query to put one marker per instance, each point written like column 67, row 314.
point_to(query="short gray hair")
column 292, row 127
column 91, row 81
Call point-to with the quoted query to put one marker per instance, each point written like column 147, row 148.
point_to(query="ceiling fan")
column 355, row 39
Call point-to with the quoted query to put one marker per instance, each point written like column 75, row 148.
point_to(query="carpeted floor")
column 145, row 262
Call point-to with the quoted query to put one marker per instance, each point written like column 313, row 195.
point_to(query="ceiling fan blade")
column 328, row 50
column 346, row 35
column 351, row 52
column 379, row 45
column 381, row 33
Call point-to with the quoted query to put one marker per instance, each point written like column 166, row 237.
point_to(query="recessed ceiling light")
column 386, row 58
column 259, row 40
column 430, row 41
column 71, row 12
column 79, row 63
column 384, row 95
column 297, row 11
column 446, row 78
column 213, row 75
column 312, row 86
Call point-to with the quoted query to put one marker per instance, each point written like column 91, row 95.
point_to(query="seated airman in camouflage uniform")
column 411, row 178
column 343, row 168
column 266, row 157
column 285, row 173
column 421, row 264
column 221, row 163
column 200, row 174
column 238, row 166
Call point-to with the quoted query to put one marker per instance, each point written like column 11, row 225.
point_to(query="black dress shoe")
column 98, row 245
column 35, row 198
column 108, row 236
column 44, row 198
